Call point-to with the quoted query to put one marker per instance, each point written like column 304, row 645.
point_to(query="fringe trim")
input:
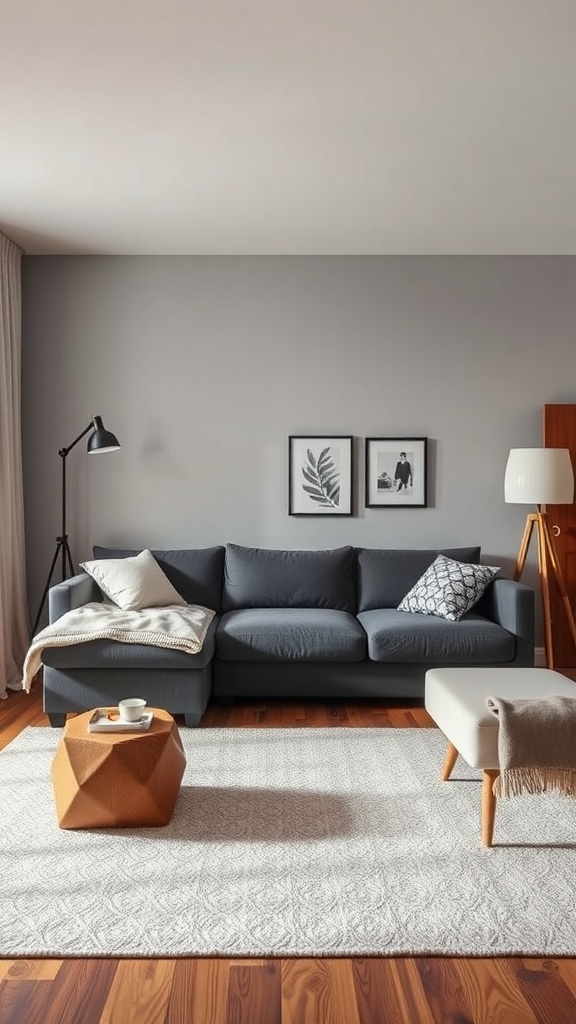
column 515, row 781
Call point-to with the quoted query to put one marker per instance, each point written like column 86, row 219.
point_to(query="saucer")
column 100, row 722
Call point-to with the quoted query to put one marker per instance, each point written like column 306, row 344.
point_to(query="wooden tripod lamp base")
column 548, row 566
column 542, row 476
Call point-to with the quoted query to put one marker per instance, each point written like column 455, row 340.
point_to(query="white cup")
column 131, row 709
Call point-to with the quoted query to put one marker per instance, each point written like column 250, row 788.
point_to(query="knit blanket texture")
column 180, row 628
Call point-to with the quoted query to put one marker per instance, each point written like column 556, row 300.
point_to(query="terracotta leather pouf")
column 113, row 779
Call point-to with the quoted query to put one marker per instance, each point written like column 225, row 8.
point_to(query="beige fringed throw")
column 536, row 745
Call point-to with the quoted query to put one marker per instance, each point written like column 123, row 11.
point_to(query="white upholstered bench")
column 456, row 699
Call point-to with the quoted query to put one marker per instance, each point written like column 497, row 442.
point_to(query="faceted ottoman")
column 117, row 779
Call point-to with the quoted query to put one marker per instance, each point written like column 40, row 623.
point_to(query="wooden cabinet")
column 560, row 432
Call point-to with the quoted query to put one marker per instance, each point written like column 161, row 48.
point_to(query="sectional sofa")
column 289, row 624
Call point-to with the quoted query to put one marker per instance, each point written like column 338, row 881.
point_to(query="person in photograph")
column 403, row 473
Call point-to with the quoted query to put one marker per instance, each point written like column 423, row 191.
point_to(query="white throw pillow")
column 133, row 583
column 448, row 588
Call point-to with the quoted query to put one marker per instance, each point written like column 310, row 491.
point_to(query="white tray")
column 100, row 722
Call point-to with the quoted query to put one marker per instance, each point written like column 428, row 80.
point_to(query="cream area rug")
column 288, row 842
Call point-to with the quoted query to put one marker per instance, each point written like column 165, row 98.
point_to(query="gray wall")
column 204, row 365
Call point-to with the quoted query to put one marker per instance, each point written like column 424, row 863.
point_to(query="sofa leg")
column 192, row 721
column 57, row 720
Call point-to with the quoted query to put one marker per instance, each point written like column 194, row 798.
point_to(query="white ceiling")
column 303, row 126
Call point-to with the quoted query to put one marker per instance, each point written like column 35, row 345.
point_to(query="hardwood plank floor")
column 419, row 990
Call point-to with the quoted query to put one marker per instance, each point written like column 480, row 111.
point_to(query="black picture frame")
column 320, row 475
column 396, row 472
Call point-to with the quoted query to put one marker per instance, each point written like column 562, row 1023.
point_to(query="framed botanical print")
column 320, row 475
column 396, row 472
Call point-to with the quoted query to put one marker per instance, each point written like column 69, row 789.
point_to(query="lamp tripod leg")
column 524, row 545
column 560, row 581
column 69, row 557
column 543, row 568
column 59, row 544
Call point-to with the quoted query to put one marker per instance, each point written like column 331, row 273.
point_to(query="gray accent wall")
column 204, row 365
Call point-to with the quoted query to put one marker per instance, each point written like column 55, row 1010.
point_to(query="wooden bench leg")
column 449, row 761
column 488, row 805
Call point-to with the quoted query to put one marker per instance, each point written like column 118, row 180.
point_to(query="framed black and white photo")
column 320, row 475
column 396, row 472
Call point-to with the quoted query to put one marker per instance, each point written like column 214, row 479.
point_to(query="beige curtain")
column 13, row 604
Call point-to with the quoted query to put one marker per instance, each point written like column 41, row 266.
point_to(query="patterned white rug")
column 289, row 842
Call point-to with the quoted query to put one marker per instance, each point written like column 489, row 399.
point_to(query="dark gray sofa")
column 304, row 624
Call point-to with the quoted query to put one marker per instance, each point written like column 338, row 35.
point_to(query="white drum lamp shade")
column 539, row 476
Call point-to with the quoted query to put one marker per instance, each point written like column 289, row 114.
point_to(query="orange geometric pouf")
column 112, row 779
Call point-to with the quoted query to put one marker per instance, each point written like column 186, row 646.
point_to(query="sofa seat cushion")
column 290, row 634
column 412, row 637
column 112, row 654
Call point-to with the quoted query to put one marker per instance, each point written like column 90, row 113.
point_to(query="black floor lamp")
column 100, row 440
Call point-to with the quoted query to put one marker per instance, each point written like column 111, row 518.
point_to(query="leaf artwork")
column 323, row 479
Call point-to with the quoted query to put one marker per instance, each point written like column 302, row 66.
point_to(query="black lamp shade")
column 101, row 440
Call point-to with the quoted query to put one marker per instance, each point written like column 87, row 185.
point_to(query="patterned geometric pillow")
column 448, row 588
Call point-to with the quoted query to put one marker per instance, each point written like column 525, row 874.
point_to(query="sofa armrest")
column 511, row 605
column 72, row 593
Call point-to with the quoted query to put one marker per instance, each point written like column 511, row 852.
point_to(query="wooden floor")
column 421, row 990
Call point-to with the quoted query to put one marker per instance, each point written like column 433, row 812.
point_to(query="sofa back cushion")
column 266, row 578
column 196, row 573
column 385, row 575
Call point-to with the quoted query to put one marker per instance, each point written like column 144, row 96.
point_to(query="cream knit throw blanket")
column 536, row 745
column 180, row 628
